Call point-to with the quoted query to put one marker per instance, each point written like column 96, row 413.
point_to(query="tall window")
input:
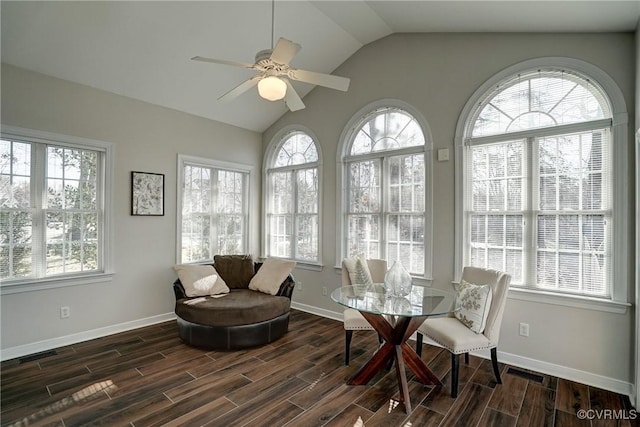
column 213, row 209
column 293, row 198
column 52, row 209
column 385, row 179
column 538, row 199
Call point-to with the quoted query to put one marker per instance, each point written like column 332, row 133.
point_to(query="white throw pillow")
column 200, row 280
column 358, row 270
column 271, row 275
column 473, row 303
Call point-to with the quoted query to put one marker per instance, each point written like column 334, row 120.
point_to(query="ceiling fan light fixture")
column 272, row 88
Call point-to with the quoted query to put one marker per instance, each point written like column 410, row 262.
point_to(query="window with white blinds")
column 213, row 209
column 54, row 208
column 292, row 199
column 538, row 183
column 385, row 171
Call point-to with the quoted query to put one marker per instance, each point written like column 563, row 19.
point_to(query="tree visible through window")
column 214, row 212
column 538, row 201
column 67, row 216
column 293, row 198
column 386, row 178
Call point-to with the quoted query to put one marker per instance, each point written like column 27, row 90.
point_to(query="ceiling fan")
column 275, row 74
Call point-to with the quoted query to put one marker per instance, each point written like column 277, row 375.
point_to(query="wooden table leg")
column 373, row 366
column 403, row 387
column 395, row 347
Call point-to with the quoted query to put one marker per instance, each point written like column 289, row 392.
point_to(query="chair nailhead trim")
column 461, row 351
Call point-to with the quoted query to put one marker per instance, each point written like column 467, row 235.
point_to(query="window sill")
column 587, row 303
column 303, row 265
column 426, row 282
column 31, row 285
column 309, row 266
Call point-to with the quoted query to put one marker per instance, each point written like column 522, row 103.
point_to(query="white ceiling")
column 142, row 49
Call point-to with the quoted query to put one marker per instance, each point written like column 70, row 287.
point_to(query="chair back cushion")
column 499, row 282
column 271, row 275
column 200, row 280
column 375, row 267
column 236, row 270
column 473, row 303
column 357, row 270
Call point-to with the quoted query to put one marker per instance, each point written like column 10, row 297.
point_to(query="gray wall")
column 638, row 76
column 637, row 223
column 146, row 138
column 437, row 74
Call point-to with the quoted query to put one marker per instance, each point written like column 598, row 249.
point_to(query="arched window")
column 385, row 197
column 292, row 200
column 538, row 199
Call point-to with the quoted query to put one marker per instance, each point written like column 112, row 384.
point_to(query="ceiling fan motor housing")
column 268, row 66
column 263, row 54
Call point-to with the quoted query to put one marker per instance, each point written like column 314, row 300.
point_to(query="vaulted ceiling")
column 142, row 49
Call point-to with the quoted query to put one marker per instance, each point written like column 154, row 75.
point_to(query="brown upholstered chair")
column 240, row 319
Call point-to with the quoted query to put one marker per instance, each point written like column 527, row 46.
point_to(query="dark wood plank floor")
column 147, row 377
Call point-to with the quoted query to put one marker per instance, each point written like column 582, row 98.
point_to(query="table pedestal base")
column 395, row 347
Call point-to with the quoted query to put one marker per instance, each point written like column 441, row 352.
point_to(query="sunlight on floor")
column 359, row 422
column 313, row 384
column 77, row 398
column 392, row 405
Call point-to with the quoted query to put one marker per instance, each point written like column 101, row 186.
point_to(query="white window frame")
column 344, row 158
column 269, row 160
column 186, row 160
column 619, row 136
column 105, row 273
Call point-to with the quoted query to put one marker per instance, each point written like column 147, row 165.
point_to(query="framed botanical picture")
column 147, row 194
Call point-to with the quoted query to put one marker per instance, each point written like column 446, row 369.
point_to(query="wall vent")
column 525, row 374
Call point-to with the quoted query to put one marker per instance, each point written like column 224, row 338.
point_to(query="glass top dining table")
column 395, row 318
column 421, row 301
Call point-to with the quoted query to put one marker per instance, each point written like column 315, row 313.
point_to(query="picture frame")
column 147, row 194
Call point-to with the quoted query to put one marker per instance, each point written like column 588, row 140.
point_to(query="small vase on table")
column 397, row 281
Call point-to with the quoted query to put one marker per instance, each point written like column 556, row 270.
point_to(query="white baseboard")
column 565, row 372
column 40, row 346
column 317, row 311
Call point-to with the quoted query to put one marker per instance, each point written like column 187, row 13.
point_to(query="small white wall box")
column 443, row 154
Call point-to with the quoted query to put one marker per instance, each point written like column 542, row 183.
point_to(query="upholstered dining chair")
column 455, row 336
column 353, row 320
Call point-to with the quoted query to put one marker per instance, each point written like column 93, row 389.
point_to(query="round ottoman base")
column 232, row 337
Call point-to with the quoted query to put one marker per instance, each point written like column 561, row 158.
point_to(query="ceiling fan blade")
column 240, row 89
column 326, row 80
column 284, row 51
column 292, row 99
column 222, row 61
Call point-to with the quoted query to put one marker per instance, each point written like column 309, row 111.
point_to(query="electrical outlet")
column 324, row 291
column 524, row 329
column 65, row 312
column 299, row 286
